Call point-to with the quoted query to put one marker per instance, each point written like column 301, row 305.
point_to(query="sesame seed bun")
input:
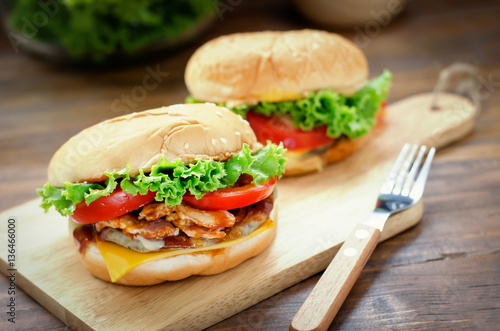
column 186, row 132
column 274, row 66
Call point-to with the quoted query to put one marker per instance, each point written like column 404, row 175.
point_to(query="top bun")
column 186, row 132
column 274, row 66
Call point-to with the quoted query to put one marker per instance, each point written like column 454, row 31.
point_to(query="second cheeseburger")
column 308, row 89
column 166, row 193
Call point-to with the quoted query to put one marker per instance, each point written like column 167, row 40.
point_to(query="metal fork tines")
column 404, row 186
column 402, row 189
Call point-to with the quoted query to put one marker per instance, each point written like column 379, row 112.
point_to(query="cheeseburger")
column 167, row 193
column 307, row 89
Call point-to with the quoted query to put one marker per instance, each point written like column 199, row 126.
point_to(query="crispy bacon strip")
column 195, row 231
column 156, row 221
column 208, row 219
column 129, row 224
column 155, row 210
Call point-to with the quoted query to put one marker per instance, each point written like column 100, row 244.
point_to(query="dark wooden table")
column 442, row 274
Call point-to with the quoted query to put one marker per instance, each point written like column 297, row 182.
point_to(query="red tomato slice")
column 232, row 198
column 276, row 129
column 105, row 208
column 381, row 114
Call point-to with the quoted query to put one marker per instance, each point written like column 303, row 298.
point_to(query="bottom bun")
column 182, row 266
column 342, row 148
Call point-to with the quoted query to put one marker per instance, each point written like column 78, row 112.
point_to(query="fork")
column 402, row 189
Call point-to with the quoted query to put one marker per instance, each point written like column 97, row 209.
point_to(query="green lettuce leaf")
column 262, row 165
column 64, row 200
column 352, row 116
column 98, row 28
column 171, row 179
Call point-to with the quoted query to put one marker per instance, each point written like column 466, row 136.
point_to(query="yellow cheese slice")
column 293, row 158
column 296, row 153
column 121, row 260
column 277, row 96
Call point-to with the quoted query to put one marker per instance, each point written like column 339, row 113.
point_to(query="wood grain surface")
column 332, row 201
column 320, row 307
column 441, row 274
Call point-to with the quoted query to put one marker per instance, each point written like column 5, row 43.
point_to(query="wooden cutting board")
column 316, row 212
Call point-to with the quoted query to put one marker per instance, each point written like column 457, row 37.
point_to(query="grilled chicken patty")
column 158, row 227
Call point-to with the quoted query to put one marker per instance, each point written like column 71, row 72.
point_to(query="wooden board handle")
column 321, row 306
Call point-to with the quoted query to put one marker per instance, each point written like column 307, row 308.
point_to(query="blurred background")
column 66, row 65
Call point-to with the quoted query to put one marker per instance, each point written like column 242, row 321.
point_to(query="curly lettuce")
column 352, row 116
column 171, row 179
column 98, row 28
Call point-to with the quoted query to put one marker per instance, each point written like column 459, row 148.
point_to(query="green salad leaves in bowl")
column 103, row 30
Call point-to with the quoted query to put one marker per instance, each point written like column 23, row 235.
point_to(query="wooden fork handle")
column 326, row 298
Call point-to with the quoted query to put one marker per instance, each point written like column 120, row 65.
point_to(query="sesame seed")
column 237, row 133
column 315, row 46
column 186, row 145
column 218, row 113
column 210, row 103
column 213, row 141
column 224, row 140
